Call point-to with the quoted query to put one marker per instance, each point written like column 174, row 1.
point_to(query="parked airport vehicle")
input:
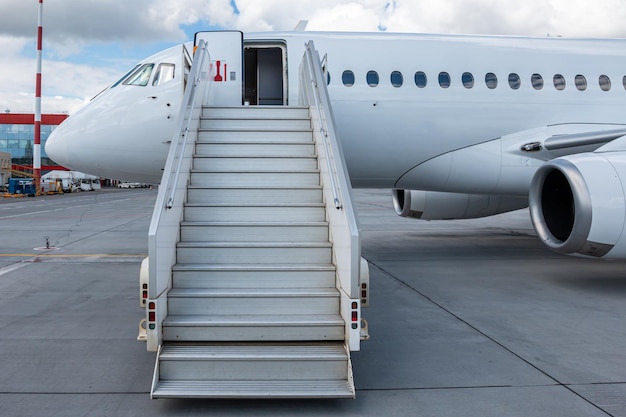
column 69, row 181
column 128, row 184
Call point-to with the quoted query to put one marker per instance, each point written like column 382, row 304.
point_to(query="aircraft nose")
column 56, row 145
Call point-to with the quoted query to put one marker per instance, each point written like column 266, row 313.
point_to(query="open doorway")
column 265, row 75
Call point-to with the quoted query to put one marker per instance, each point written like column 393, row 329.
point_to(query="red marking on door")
column 218, row 77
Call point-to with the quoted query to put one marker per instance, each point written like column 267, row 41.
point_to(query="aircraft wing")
column 506, row 165
column 575, row 140
column 559, row 140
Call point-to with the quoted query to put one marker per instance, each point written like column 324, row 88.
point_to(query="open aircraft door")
column 226, row 52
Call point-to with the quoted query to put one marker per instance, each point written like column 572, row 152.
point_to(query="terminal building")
column 17, row 136
column 5, row 168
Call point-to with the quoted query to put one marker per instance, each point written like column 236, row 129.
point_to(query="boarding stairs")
column 253, row 303
column 253, row 308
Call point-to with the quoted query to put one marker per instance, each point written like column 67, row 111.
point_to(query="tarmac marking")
column 11, row 268
column 59, row 209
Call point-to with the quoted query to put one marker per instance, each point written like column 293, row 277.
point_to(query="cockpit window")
column 164, row 73
column 141, row 76
column 124, row 77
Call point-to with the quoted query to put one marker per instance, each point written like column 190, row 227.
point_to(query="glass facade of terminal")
column 17, row 133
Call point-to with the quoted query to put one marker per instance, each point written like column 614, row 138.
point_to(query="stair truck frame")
column 352, row 276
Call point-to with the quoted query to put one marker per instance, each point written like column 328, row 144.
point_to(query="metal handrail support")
column 344, row 229
column 164, row 228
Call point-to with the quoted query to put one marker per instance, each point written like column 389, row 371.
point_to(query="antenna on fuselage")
column 301, row 26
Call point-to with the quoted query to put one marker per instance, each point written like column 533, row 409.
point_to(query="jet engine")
column 431, row 205
column 578, row 204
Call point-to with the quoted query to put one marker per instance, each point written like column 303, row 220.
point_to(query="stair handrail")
column 344, row 230
column 310, row 49
column 189, row 103
column 168, row 210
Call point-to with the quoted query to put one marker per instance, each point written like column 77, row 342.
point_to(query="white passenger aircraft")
column 458, row 126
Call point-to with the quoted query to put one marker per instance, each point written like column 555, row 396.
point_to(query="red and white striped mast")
column 37, row 147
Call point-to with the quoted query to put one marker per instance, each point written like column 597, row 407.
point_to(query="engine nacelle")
column 578, row 204
column 432, row 205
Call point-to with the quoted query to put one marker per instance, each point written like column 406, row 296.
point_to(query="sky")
column 88, row 44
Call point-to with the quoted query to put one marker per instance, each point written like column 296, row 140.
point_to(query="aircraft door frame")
column 226, row 51
column 265, row 73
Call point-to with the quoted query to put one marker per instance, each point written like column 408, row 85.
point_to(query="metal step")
column 253, row 389
column 253, row 361
column 260, row 276
column 265, row 163
column 256, row 112
column 208, row 136
column 256, row 124
column 254, row 370
column 267, row 179
column 255, row 149
column 272, row 301
column 258, row 327
column 236, row 195
column 254, row 253
column 291, row 212
column 254, row 232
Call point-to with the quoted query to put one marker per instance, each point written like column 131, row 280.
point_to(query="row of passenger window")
column 491, row 80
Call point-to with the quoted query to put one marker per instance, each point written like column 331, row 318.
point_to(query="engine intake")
column 577, row 204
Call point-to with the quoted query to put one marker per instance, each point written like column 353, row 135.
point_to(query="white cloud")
column 349, row 17
column 74, row 83
column 322, row 14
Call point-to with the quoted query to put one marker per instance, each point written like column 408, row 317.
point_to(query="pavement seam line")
column 447, row 311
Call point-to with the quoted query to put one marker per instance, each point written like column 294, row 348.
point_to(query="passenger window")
column 491, row 80
column 605, row 82
column 141, row 76
column 420, row 79
column 164, row 73
column 467, row 79
column 347, row 78
column 444, row 79
column 559, row 82
column 581, row 82
column 514, row 81
column 537, row 81
column 397, row 79
column 372, row 78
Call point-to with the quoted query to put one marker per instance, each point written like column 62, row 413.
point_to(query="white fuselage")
column 398, row 132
